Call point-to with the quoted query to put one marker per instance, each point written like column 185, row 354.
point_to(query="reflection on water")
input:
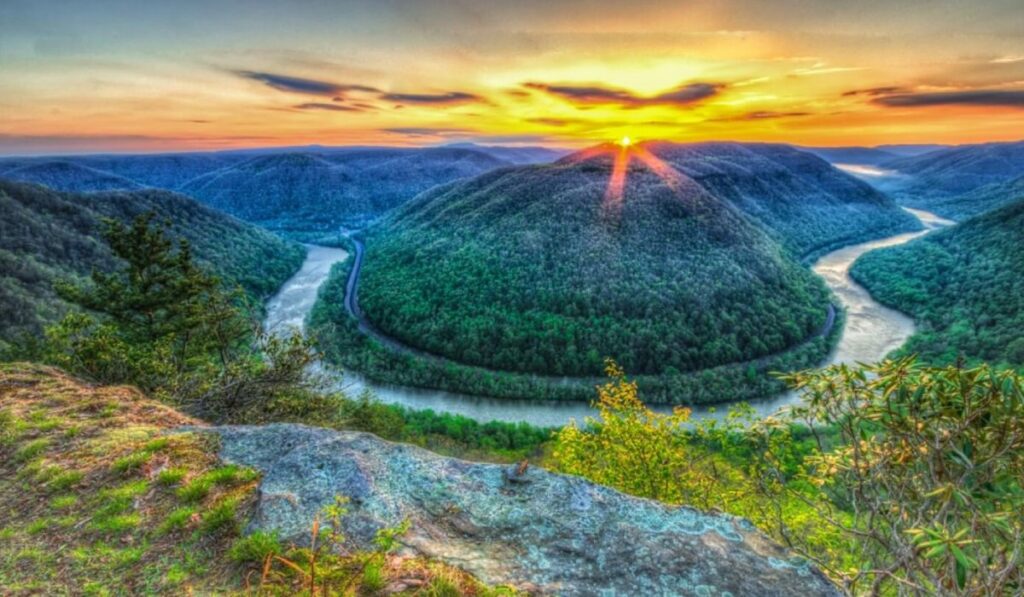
column 872, row 331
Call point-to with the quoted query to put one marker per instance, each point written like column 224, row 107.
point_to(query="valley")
column 871, row 331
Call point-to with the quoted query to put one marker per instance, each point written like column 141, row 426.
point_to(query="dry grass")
column 86, row 501
column 97, row 498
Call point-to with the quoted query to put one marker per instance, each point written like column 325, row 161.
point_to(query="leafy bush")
column 895, row 479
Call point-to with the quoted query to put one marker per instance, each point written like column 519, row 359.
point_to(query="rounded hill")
column 607, row 253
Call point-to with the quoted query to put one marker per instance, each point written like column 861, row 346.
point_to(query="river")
column 871, row 331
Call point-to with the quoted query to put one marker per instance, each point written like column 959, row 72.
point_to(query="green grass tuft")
column 171, row 476
column 255, row 548
column 221, row 517
column 176, row 520
column 32, row 449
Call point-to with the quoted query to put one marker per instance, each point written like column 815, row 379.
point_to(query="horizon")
column 313, row 147
column 117, row 77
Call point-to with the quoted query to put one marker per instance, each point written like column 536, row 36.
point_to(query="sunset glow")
column 129, row 76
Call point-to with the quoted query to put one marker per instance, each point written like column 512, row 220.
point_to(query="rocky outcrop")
column 536, row 530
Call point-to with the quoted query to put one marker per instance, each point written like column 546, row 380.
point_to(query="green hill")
column 964, row 285
column 536, row 270
column 947, row 173
column 805, row 203
column 46, row 235
column 979, row 200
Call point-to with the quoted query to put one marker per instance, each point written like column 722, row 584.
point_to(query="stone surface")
column 549, row 533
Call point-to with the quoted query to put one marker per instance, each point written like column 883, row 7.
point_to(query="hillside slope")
column 47, row 235
column 804, row 202
column 979, row 200
column 69, row 176
column 540, row 269
column 964, row 285
column 104, row 491
column 947, row 173
column 321, row 192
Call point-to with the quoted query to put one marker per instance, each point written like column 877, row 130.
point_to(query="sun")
column 625, row 142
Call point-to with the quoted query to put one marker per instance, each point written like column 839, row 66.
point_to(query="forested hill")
column 543, row 269
column 320, row 192
column 46, row 235
column 304, row 189
column 802, row 200
column 947, row 173
column 964, row 285
column 70, row 176
column 979, row 200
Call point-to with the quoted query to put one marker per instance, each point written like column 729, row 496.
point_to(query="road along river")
column 872, row 331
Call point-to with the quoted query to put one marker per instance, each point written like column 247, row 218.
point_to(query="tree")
column 165, row 324
column 161, row 300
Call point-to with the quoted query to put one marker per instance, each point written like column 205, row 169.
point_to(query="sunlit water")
column 871, row 331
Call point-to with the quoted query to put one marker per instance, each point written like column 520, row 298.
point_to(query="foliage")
column 895, row 479
column 165, row 324
column 444, row 432
column 47, row 236
column 342, row 342
column 930, row 467
column 964, row 285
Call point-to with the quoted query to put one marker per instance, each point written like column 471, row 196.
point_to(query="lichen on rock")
column 541, row 531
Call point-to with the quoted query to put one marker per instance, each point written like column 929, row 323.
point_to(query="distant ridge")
column 311, row 188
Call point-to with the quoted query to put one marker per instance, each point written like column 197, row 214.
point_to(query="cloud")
column 594, row 94
column 452, row 97
column 419, row 131
column 875, row 91
column 325, row 106
column 977, row 97
column 301, row 85
column 769, row 114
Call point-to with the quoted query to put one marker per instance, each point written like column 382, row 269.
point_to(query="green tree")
column 165, row 324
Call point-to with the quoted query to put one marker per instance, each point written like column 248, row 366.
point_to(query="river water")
column 871, row 331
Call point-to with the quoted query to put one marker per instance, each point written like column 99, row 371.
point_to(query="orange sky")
column 113, row 75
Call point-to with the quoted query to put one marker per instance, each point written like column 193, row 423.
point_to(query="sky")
column 140, row 76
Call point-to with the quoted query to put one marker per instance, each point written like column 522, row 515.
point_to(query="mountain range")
column 305, row 189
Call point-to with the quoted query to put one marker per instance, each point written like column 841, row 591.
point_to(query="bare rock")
column 534, row 529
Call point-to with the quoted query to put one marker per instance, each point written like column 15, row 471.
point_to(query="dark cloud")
column 329, row 107
column 977, row 97
column 419, row 131
column 452, row 97
column 301, row 85
column 552, row 121
column 769, row 115
column 595, row 94
column 875, row 91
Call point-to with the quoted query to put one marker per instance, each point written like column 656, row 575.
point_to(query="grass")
column 96, row 498
column 87, row 493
